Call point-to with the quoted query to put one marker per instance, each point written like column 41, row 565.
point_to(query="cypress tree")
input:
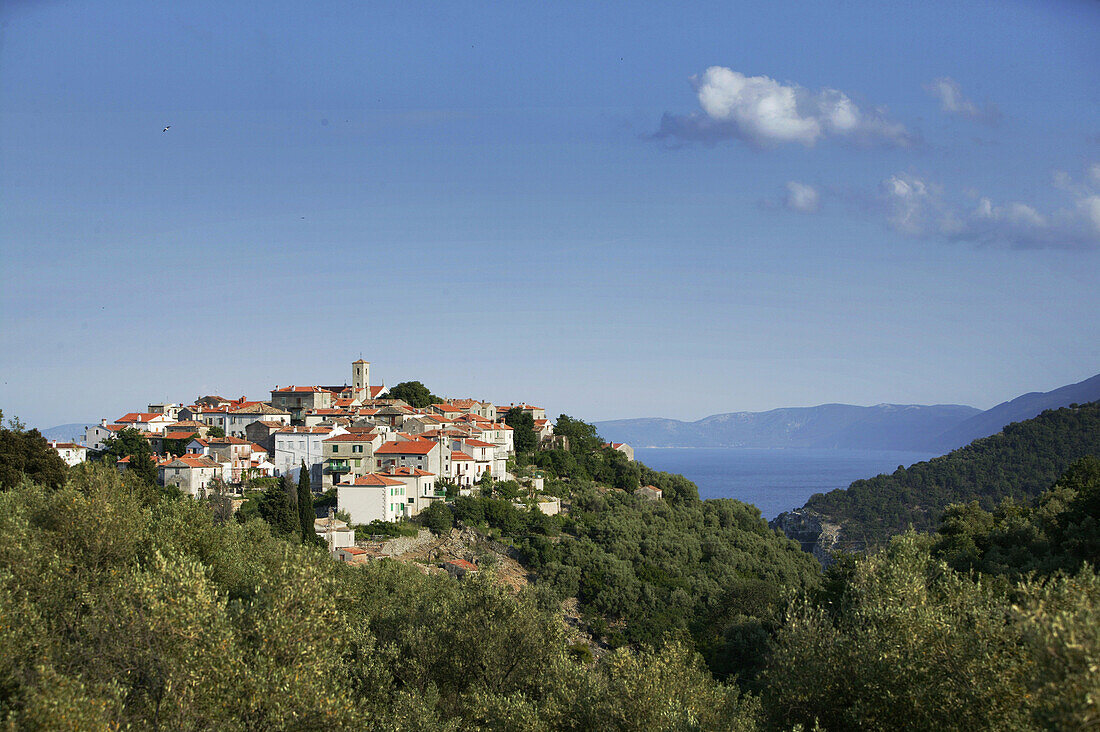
column 277, row 510
column 306, row 514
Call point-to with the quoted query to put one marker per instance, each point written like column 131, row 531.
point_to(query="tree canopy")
column 522, row 423
column 413, row 393
column 27, row 453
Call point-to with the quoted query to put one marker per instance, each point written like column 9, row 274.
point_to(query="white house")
column 293, row 445
column 483, row 453
column 335, row 532
column 70, row 452
column 96, row 435
column 465, row 470
column 372, row 497
column 420, row 488
column 190, row 473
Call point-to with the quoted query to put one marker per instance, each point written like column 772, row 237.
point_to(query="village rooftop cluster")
column 384, row 457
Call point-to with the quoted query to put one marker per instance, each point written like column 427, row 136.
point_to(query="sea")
column 773, row 480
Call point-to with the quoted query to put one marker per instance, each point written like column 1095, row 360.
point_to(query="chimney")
column 103, row 422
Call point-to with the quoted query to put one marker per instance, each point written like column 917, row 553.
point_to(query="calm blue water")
column 773, row 480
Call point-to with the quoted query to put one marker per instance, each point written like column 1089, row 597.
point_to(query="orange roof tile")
column 409, row 447
column 477, row 443
column 351, row 437
column 135, row 417
column 373, row 480
column 407, row 472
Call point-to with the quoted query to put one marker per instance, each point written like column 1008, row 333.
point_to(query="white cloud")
column 953, row 101
column 1090, row 208
column 764, row 112
column 920, row 208
column 802, row 197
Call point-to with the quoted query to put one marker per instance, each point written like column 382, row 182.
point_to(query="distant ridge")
column 66, row 432
column 991, row 421
column 935, row 428
column 881, row 427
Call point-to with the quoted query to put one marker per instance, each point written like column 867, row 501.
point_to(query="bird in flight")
column 166, row 128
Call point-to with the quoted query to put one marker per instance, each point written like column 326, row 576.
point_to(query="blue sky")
column 613, row 210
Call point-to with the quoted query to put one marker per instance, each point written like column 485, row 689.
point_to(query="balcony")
column 337, row 466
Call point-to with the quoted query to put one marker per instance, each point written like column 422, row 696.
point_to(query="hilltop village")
column 385, row 459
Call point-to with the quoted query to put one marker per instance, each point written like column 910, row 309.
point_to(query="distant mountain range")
column 936, row 428
column 991, row 421
column 66, row 432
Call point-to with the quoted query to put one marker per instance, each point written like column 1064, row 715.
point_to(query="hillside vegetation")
column 1019, row 462
column 123, row 606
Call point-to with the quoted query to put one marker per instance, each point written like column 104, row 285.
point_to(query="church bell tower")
column 360, row 378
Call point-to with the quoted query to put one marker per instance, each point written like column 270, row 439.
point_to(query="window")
column 357, row 462
column 335, row 449
column 357, row 448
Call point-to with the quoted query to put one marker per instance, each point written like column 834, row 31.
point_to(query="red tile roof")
column 299, row 389
column 184, row 423
column 413, row 447
column 269, row 423
column 477, row 443
column 460, row 457
column 134, row 417
column 351, row 437
column 177, row 435
column 259, row 408
column 194, row 461
column 407, row 472
column 462, row 564
column 372, row 479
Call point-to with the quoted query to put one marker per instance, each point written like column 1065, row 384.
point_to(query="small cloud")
column 802, row 198
column 765, row 113
column 919, row 208
column 953, row 101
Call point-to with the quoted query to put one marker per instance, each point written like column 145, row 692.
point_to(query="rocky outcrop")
column 813, row 531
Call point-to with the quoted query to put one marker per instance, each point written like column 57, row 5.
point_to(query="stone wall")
column 403, row 544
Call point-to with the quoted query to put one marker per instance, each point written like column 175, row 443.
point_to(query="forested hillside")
column 1019, row 462
column 125, row 606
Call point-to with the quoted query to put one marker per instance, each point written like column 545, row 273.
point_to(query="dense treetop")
column 413, row 393
column 27, row 452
